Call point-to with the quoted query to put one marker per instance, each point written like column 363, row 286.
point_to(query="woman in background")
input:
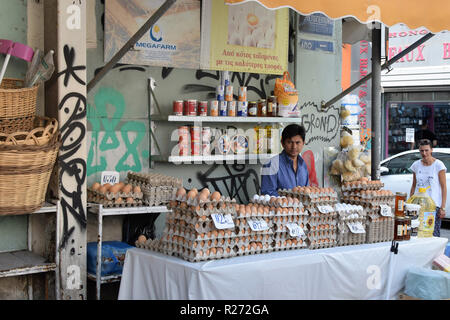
column 430, row 172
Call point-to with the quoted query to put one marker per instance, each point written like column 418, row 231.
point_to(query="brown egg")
column 191, row 194
column 137, row 189
column 206, row 191
column 102, row 189
column 115, row 188
column 181, row 192
column 130, row 200
column 107, row 186
column 202, row 197
column 127, row 188
column 96, row 186
column 118, row 201
column 215, row 196
column 142, row 239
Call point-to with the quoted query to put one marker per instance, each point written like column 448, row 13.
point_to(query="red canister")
column 178, row 107
column 203, row 108
column 196, row 132
column 190, row 108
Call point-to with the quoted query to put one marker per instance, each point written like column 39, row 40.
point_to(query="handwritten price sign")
column 356, row 227
column 258, row 225
column 295, row 230
column 325, row 209
column 222, row 222
column 111, row 177
column 385, row 210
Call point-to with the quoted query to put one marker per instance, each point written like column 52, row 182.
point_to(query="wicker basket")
column 17, row 105
column 44, row 129
column 24, row 175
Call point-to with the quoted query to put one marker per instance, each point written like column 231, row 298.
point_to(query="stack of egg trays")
column 359, row 185
column 290, row 213
column 157, row 189
column 190, row 232
column 109, row 199
column 311, row 198
column 322, row 227
column 378, row 227
column 356, row 197
column 253, row 242
column 352, row 214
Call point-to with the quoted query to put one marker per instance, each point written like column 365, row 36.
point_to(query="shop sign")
column 316, row 23
column 222, row 221
column 316, row 45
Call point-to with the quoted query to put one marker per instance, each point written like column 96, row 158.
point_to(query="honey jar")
column 398, row 228
column 400, row 199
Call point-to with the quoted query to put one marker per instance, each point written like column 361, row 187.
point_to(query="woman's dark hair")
column 293, row 130
column 425, row 142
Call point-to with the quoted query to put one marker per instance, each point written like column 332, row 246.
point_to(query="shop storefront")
column 416, row 90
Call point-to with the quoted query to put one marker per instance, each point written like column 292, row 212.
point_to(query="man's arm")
column 269, row 179
column 443, row 183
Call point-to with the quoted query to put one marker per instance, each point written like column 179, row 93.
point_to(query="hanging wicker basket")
column 17, row 105
column 24, row 175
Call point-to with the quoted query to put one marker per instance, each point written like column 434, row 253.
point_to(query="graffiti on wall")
column 236, row 183
column 73, row 132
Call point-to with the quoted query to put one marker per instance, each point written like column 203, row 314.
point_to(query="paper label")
column 409, row 135
column 356, row 227
column 257, row 225
column 325, row 209
column 111, row 177
column 295, row 230
column 222, row 221
column 385, row 210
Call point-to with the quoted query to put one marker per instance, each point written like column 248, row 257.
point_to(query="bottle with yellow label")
column 427, row 213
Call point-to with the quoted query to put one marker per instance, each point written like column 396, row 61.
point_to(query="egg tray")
column 361, row 186
column 374, row 201
column 290, row 204
column 285, row 235
column 190, row 212
column 314, row 212
column 149, row 244
column 195, row 255
column 252, row 251
column 379, row 230
column 364, row 196
column 349, row 239
column 112, row 196
column 198, row 216
column 322, row 244
column 286, row 247
column 191, row 235
column 112, row 204
column 277, row 220
column 199, row 244
column 155, row 180
column 239, row 221
column 202, row 203
column 243, row 232
column 155, row 202
column 319, row 220
column 281, row 212
column 264, row 238
column 322, row 234
column 285, row 192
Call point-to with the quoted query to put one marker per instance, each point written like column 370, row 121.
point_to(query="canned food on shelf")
column 228, row 93
column 223, row 108
column 242, row 108
column 242, row 94
column 203, row 108
column 190, row 108
column 220, row 93
column 178, row 107
column 232, row 108
column 214, row 108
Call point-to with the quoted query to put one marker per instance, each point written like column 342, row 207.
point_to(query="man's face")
column 425, row 151
column 293, row 146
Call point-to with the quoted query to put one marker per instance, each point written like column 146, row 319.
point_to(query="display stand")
column 30, row 261
column 101, row 211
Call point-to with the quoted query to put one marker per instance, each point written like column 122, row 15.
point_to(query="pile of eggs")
column 363, row 183
column 369, row 197
column 193, row 195
column 308, row 195
column 116, row 194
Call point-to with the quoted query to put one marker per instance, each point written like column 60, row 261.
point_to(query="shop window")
column 401, row 164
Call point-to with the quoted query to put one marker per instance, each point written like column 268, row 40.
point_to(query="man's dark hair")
column 425, row 142
column 293, row 130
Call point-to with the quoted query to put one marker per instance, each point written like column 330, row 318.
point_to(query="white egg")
column 266, row 198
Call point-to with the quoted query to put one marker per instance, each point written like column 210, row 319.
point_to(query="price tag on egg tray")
column 325, row 209
column 295, row 230
column 385, row 210
column 356, row 227
column 222, row 221
column 111, row 177
column 258, row 225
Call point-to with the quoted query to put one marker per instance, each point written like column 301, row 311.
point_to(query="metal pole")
column 376, row 101
column 129, row 45
column 325, row 105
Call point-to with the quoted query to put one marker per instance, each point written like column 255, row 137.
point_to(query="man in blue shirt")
column 288, row 169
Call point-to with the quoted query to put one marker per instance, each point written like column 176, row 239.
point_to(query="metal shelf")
column 172, row 118
column 127, row 210
column 219, row 158
column 101, row 212
column 105, row 279
column 19, row 263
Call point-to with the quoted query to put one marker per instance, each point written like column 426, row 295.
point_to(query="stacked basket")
column 28, row 149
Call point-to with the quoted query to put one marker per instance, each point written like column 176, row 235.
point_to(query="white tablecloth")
column 350, row 272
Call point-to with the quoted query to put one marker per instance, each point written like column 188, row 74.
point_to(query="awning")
column 433, row 15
